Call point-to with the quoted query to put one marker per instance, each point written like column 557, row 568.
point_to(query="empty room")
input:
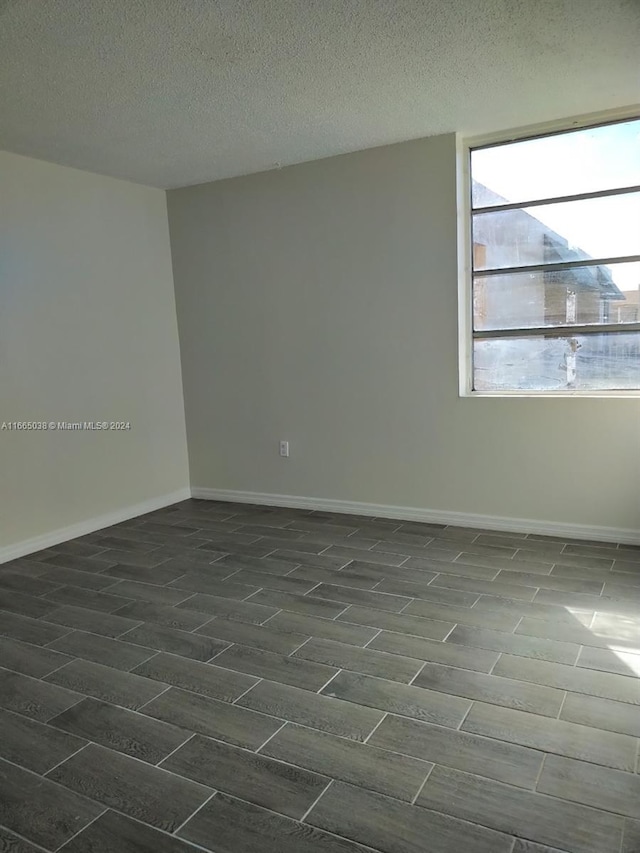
column 320, row 426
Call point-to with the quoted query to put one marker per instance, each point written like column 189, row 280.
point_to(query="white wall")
column 318, row 304
column 87, row 332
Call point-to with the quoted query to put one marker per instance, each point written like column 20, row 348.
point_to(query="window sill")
column 554, row 395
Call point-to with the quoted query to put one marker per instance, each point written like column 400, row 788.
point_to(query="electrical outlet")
column 284, row 448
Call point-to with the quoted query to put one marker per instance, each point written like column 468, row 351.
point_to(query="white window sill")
column 555, row 395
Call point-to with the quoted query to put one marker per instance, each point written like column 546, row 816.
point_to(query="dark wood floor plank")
column 219, row 720
column 33, row 745
column 606, row 659
column 243, row 611
column 80, row 563
column 133, row 590
column 286, row 553
column 32, row 566
column 515, row 644
column 286, row 789
column 106, row 624
column 105, row 602
column 29, row 630
column 183, row 643
column 310, row 525
column 11, row 843
column 207, row 679
column 569, row 558
column 115, row 833
column 28, row 659
column 514, row 541
column 106, row 683
column 463, row 615
column 626, row 630
column 447, row 568
column 504, row 762
column 538, row 566
column 619, row 605
column 326, row 629
column 39, row 810
column 493, row 689
column 515, row 811
column 158, row 575
column 398, row 698
column 553, row 736
column 478, row 660
column 488, row 587
column 424, row 591
column 263, row 565
column 264, row 530
column 365, row 661
column 267, row 638
column 138, row 559
column 591, row 785
column 32, row 586
column 114, row 653
column 209, row 582
column 308, row 604
column 33, row 698
column 383, row 572
column 162, row 614
column 364, row 554
column 351, row 595
column 631, row 836
column 603, row 684
column 395, row 827
column 228, row 545
column 121, row 730
column 140, row 790
column 360, row 764
column 346, row 577
column 549, row 581
column 24, row 605
column 546, row 612
column 240, row 827
column 524, row 846
column 602, row 714
column 271, row 581
column 73, row 577
column 287, row 670
column 563, row 632
column 415, row 625
column 124, row 543
column 312, row 709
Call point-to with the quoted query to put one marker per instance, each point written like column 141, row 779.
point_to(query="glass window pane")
column 586, row 160
column 581, row 295
column 581, row 363
column 553, row 233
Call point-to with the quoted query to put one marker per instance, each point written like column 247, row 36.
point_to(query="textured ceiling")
column 175, row 92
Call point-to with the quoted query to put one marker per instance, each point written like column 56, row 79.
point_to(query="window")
column 555, row 261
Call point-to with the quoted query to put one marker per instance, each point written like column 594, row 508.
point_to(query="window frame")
column 464, row 146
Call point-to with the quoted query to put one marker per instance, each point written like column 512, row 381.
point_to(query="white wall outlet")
column 284, row 448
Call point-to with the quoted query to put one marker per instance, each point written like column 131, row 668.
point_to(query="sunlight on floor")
column 620, row 632
column 629, row 659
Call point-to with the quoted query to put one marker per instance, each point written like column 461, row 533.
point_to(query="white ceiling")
column 175, row 92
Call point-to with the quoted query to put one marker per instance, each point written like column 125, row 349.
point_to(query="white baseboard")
column 63, row 534
column 627, row 536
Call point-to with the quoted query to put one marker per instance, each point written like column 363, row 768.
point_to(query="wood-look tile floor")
column 244, row 679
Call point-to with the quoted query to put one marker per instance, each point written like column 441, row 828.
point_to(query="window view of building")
column 532, row 282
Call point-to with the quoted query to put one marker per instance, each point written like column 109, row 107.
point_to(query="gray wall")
column 87, row 332
column 318, row 304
